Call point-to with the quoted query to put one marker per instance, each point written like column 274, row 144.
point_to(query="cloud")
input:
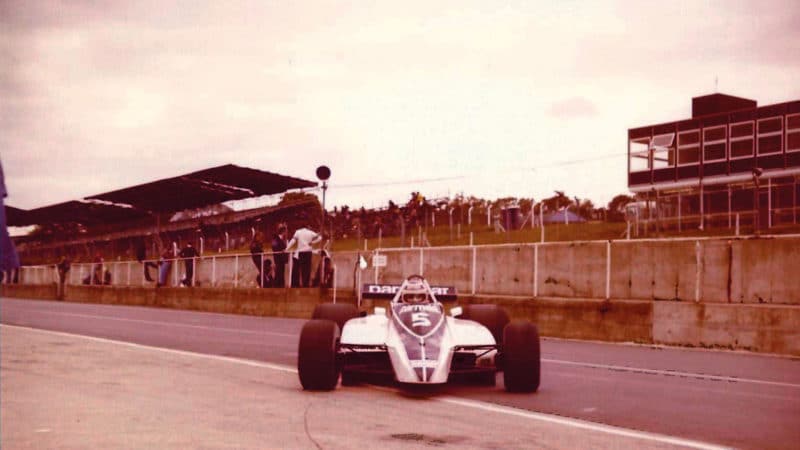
column 573, row 108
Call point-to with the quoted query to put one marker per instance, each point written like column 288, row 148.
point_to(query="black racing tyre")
column 337, row 312
column 492, row 317
column 521, row 357
column 317, row 363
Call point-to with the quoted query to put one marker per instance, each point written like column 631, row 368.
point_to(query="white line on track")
column 170, row 324
column 581, row 424
column 488, row 407
column 698, row 376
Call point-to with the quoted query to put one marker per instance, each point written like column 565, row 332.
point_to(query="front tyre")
column 316, row 355
column 337, row 312
column 493, row 317
column 521, row 357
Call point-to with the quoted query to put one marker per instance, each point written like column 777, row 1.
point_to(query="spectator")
column 303, row 239
column 188, row 253
column 269, row 277
column 141, row 254
column 257, row 254
column 280, row 256
column 294, row 270
column 97, row 276
column 63, row 267
column 164, row 266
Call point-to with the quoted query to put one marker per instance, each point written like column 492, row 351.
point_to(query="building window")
column 688, row 147
column 741, row 139
column 793, row 133
column 639, row 150
column 770, row 135
column 714, row 143
column 663, row 146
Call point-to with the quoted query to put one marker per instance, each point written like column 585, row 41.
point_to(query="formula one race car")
column 417, row 343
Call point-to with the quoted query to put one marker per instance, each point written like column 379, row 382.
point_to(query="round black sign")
column 323, row 173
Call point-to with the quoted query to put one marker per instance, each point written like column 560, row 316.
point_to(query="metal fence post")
column 474, row 267
column 536, row 270
column 236, row 270
column 697, row 272
column 334, row 283
column 608, row 270
column 375, row 266
column 214, row 271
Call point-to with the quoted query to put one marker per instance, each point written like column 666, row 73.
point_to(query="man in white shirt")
column 303, row 239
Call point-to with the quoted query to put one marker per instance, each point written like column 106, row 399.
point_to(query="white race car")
column 417, row 342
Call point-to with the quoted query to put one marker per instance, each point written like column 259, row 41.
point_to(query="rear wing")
column 442, row 293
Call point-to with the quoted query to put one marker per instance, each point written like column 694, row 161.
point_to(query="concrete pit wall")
column 760, row 328
column 705, row 270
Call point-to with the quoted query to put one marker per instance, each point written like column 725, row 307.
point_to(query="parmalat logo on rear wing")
column 389, row 290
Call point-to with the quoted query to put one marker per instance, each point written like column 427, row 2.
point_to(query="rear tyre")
column 316, row 355
column 521, row 357
column 337, row 312
column 492, row 317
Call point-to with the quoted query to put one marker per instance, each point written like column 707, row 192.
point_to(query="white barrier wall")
column 759, row 270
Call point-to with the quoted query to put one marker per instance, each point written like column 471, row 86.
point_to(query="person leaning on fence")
column 303, row 239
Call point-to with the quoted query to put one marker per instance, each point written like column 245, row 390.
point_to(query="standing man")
column 257, row 255
column 188, row 254
column 280, row 256
column 303, row 239
column 9, row 259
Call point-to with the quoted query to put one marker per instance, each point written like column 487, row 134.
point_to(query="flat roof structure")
column 193, row 190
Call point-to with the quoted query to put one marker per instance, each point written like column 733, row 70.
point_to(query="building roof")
column 193, row 190
column 81, row 211
column 16, row 217
column 719, row 103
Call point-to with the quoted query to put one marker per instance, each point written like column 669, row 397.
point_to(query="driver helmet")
column 415, row 292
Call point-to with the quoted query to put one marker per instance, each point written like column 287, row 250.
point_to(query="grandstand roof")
column 82, row 212
column 193, row 190
column 16, row 217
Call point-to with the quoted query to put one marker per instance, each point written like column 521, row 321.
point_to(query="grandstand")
column 114, row 223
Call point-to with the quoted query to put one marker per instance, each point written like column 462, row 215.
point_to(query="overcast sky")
column 486, row 98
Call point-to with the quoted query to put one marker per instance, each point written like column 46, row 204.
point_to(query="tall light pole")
column 323, row 173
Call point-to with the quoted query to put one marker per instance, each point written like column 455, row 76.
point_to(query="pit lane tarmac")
column 70, row 391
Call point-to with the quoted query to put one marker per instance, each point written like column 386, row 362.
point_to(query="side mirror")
column 456, row 311
column 380, row 311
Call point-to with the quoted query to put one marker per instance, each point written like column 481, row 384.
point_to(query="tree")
column 616, row 207
column 556, row 202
